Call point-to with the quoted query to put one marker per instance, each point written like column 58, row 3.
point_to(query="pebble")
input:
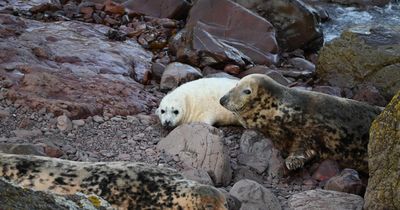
column 78, row 122
column 64, row 123
column 98, row 119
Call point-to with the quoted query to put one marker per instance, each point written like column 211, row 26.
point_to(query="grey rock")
column 257, row 152
column 27, row 133
column 64, row 123
column 198, row 175
column 176, row 74
column 254, row 196
column 98, row 119
column 78, row 122
column 325, row 199
column 302, row 64
column 200, row 146
column 23, row 149
column 347, row 181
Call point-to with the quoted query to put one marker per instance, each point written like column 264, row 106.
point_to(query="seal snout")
column 167, row 123
column 224, row 100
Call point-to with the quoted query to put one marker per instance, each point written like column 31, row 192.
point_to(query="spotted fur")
column 125, row 185
column 304, row 124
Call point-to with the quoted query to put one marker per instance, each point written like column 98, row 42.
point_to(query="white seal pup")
column 197, row 101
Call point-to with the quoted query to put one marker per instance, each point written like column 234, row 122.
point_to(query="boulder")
column 50, row 65
column 16, row 197
column 383, row 190
column 296, row 23
column 347, row 181
column 174, row 9
column 363, row 55
column 225, row 33
column 175, row 74
column 200, row 146
column 369, row 94
column 254, row 196
column 258, row 153
column 325, row 199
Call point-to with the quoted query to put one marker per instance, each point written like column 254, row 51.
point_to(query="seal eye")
column 176, row 112
column 247, row 91
column 162, row 111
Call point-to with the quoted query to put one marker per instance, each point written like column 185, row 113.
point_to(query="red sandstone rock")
column 72, row 68
column 226, row 33
column 174, row 9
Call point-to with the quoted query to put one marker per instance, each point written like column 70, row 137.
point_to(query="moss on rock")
column 383, row 191
column 363, row 55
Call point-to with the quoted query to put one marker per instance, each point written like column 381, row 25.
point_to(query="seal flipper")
column 298, row 156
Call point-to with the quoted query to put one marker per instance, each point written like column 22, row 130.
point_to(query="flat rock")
column 254, row 196
column 175, row 74
column 324, row 199
column 226, row 33
column 50, row 65
column 21, row 133
column 23, row 149
column 200, row 146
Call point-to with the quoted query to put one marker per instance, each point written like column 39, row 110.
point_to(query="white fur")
column 197, row 101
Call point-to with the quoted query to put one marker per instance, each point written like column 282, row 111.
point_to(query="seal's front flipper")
column 297, row 159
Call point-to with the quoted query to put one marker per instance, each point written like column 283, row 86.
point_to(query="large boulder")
column 296, row 23
column 51, row 65
column 200, row 146
column 325, row 199
column 176, row 9
column 222, row 31
column 363, row 55
column 383, row 190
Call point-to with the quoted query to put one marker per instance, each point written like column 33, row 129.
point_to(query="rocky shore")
column 80, row 80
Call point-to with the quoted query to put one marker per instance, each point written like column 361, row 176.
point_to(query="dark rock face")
column 175, row 9
column 383, row 190
column 296, row 23
column 363, row 56
column 72, row 68
column 226, row 33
